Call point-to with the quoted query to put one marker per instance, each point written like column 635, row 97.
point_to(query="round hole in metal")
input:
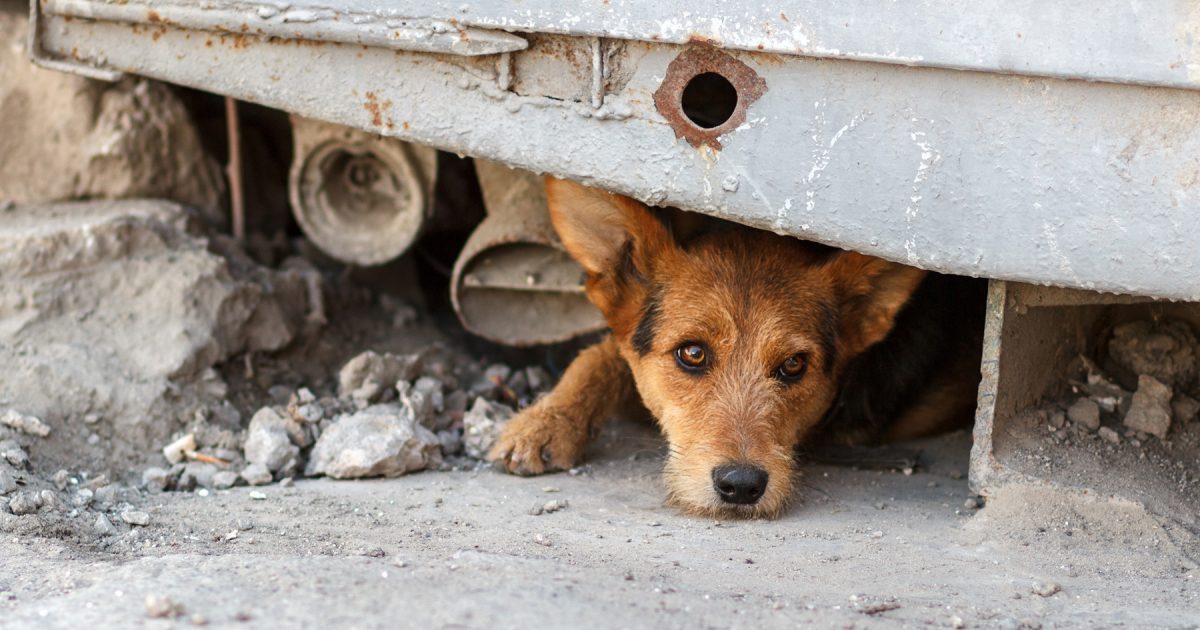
column 709, row 100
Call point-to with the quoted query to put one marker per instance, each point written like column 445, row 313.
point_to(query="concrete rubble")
column 113, row 315
column 379, row 441
column 66, row 137
column 1151, row 409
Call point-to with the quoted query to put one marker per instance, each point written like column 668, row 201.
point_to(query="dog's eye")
column 692, row 357
column 792, row 367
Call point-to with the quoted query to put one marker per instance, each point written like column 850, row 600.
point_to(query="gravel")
column 103, row 526
column 256, row 475
column 24, row 423
column 8, row 482
column 135, row 517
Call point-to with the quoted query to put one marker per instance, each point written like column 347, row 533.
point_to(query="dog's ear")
column 605, row 232
column 871, row 291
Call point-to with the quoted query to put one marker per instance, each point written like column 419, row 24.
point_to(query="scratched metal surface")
column 1074, row 183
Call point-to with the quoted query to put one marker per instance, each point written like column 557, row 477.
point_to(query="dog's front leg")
column 551, row 434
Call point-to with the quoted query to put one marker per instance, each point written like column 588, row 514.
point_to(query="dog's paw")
column 540, row 439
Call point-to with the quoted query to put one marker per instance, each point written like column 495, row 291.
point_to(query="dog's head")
column 735, row 338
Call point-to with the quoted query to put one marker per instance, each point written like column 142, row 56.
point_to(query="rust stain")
column 404, row 124
column 208, row 42
column 373, row 107
column 692, row 62
column 697, row 38
column 157, row 34
column 783, row 16
column 153, row 16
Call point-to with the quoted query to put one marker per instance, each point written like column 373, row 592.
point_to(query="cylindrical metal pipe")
column 513, row 283
column 360, row 198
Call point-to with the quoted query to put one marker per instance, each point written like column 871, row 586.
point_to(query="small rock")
column 869, row 605
column 8, row 483
column 157, row 479
column 61, row 479
column 492, row 379
column 103, row 526
column 25, row 503
column 538, row 378
column 417, row 402
column 1085, row 413
column 256, row 475
column 258, row 495
column 1047, row 589
column 1108, row 435
column 305, row 396
column 271, row 439
column 198, row 620
column 451, row 441
column 176, row 451
column 482, row 426
column 1184, row 408
column 224, row 479
column 542, row 540
column 49, row 499
column 12, row 452
column 108, row 494
column 554, row 505
column 158, row 607
column 972, row 503
column 83, row 498
column 1151, row 410
column 24, row 423
column 198, row 474
column 311, row 412
column 286, row 482
column 136, row 517
column 381, row 440
column 1058, row 419
column 366, row 376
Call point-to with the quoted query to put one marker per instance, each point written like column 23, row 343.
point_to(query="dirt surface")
column 462, row 549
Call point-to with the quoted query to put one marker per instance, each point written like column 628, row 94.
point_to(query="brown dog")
column 745, row 344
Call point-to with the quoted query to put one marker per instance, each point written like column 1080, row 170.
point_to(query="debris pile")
column 392, row 415
column 1147, row 388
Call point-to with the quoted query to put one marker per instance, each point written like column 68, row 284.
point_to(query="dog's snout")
column 741, row 484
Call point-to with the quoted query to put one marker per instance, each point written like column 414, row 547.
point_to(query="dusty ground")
column 461, row 549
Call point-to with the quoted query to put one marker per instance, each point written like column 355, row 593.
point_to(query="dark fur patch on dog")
column 940, row 322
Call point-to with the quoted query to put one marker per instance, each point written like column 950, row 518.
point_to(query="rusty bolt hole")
column 709, row 100
column 705, row 94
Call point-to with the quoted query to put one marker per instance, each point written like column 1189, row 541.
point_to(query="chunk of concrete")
column 1151, row 409
column 270, row 437
column 365, row 377
column 482, row 426
column 1086, row 413
column 379, row 441
column 118, row 310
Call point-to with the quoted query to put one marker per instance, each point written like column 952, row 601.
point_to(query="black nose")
column 742, row 484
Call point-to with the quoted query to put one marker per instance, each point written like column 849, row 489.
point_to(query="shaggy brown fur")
column 739, row 342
